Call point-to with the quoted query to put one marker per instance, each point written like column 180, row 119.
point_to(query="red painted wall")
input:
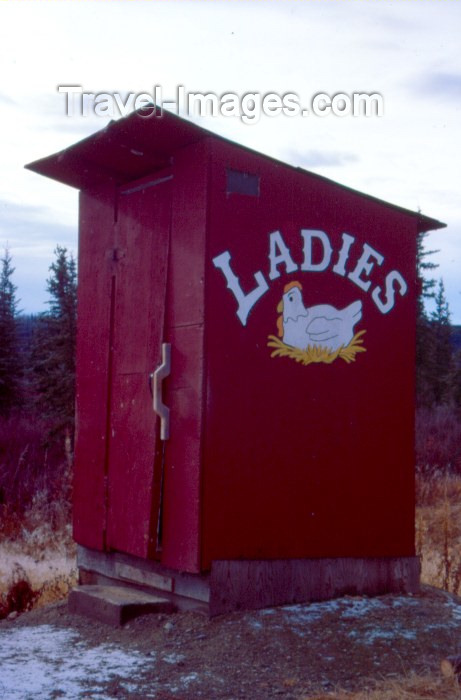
column 317, row 460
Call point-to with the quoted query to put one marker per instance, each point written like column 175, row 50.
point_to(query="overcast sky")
column 409, row 52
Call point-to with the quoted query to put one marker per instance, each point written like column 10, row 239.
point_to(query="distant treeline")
column 456, row 337
column 37, row 391
column 37, row 352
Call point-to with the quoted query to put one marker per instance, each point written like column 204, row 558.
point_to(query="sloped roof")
column 137, row 145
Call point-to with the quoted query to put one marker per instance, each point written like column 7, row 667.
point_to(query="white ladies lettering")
column 309, row 236
column 388, row 304
column 365, row 265
column 279, row 254
column 245, row 301
column 340, row 267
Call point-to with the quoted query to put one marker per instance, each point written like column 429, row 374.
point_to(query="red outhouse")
column 245, row 372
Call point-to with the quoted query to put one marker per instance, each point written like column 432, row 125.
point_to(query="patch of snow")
column 405, row 602
column 305, row 613
column 130, row 687
column 372, row 634
column 173, row 658
column 190, row 678
column 357, row 607
column 256, row 624
column 300, row 617
column 344, row 608
column 38, row 662
column 455, row 609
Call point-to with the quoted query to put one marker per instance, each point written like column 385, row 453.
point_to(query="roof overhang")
column 145, row 141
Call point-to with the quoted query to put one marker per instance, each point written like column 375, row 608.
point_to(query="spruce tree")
column 443, row 355
column 10, row 365
column 53, row 354
column 425, row 340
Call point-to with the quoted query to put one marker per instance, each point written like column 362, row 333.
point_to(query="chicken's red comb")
column 291, row 285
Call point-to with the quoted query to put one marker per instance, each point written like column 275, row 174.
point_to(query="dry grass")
column 35, row 512
column 438, row 530
column 410, row 688
column 56, row 589
column 438, row 440
column 316, row 354
column 438, row 496
column 21, row 595
column 35, row 478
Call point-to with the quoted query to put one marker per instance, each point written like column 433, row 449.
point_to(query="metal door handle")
column 157, row 378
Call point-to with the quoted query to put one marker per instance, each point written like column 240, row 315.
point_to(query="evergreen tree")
column 456, row 384
column 10, row 365
column 443, row 354
column 425, row 340
column 53, row 354
column 424, row 266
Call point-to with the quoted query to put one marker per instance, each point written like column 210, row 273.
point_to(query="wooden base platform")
column 241, row 585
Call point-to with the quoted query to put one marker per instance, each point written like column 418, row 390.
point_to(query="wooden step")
column 115, row 605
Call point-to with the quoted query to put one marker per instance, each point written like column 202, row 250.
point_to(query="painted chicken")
column 321, row 325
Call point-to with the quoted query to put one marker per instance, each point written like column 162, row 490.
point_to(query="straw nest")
column 316, row 353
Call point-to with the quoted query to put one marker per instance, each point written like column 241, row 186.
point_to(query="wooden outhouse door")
column 142, row 242
column 132, row 271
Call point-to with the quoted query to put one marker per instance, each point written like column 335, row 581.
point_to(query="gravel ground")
column 287, row 652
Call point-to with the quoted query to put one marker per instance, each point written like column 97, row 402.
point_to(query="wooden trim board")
column 236, row 585
column 246, row 585
column 144, row 574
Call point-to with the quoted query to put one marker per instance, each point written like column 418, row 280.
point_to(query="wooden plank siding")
column 95, row 273
column 254, row 584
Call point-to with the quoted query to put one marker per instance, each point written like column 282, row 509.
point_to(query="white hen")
column 321, row 325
